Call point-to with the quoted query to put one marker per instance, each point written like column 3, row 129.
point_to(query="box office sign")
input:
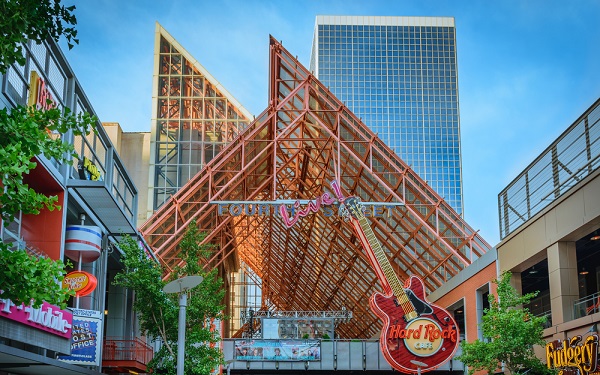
column 574, row 356
column 86, row 339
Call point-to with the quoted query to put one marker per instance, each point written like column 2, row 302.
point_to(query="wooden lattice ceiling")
column 305, row 139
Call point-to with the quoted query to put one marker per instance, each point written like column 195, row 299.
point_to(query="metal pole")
column 181, row 333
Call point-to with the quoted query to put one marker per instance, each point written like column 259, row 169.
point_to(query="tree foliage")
column 158, row 312
column 36, row 20
column 24, row 134
column 511, row 333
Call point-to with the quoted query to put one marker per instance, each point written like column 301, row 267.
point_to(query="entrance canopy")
column 303, row 141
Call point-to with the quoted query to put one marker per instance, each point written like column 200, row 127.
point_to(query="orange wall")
column 468, row 292
column 44, row 231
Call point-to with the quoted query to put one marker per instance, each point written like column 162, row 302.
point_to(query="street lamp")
column 181, row 286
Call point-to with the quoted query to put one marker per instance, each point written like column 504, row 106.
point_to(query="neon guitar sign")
column 417, row 336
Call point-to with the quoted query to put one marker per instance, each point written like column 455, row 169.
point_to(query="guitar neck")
column 384, row 264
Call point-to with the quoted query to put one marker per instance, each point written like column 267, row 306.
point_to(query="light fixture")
column 595, row 237
column 181, row 286
column 583, row 271
column 533, row 270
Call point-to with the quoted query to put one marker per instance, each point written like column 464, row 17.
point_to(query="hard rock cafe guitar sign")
column 417, row 336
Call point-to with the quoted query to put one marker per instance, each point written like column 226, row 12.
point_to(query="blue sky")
column 527, row 69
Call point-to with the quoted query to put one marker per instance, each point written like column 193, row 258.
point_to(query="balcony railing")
column 587, row 305
column 548, row 316
column 335, row 355
column 567, row 161
column 123, row 355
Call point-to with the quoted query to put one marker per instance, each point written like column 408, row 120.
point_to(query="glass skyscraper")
column 399, row 75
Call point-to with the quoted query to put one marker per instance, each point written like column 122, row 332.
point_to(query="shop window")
column 482, row 301
column 458, row 313
column 536, row 279
column 588, row 273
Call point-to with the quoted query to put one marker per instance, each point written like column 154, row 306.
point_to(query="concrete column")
column 516, row 282
column 117, row 310
column 562, row 271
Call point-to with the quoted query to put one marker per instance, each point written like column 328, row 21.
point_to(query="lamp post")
column 181, row 287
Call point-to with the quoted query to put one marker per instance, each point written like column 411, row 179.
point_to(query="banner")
column 86, row 339
column 47, row 317
column 278, row 350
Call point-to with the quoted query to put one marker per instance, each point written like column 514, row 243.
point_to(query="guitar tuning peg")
column 343, row 211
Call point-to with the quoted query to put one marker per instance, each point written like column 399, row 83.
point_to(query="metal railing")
column 548, row 316
column 355, row 355
column 48, row 61
column 587, row 305
column 567, row 161
column 121, row 349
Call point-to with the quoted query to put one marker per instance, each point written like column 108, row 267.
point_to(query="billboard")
column 277, row 350
column 86, row 339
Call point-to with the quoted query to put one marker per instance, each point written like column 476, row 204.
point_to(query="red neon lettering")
column 43, row 96
column 313, row 206
column 395, row 331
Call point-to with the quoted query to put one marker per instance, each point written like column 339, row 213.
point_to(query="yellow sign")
column 88, row 170
column 39, row 95
column 573, row 356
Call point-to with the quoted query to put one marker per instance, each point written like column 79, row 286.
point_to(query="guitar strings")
column 393, row 280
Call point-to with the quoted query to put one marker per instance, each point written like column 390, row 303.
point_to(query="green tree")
column 511, row 333
column 24, row 134
column 158, row 312
column 35, row 20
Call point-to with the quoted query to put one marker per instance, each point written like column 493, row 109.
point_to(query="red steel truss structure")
column 305, row 139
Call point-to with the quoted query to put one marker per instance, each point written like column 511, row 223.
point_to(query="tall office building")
column 399, row 74
column 193, row 117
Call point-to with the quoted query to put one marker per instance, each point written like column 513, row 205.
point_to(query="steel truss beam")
column 305, row 139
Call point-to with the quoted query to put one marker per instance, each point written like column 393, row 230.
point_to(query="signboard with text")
column 86, row 339
column 573, row 356
column 47, row 317
column 277, row 350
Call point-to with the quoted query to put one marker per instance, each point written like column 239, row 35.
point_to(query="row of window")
column 413, row 30
column 416, row 55
column 413, row 58
column 384, row 79
column 378, row 98
column 371, row 71
column 401, row 106
column 362, row 71
column 392, row 86
column 385, row 45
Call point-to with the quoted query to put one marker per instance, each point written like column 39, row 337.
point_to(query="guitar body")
column 417, row 336
column 425, row 342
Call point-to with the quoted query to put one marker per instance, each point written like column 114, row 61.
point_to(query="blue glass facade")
column 399, row 75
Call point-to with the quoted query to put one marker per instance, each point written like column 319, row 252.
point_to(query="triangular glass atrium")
column 193, row 118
